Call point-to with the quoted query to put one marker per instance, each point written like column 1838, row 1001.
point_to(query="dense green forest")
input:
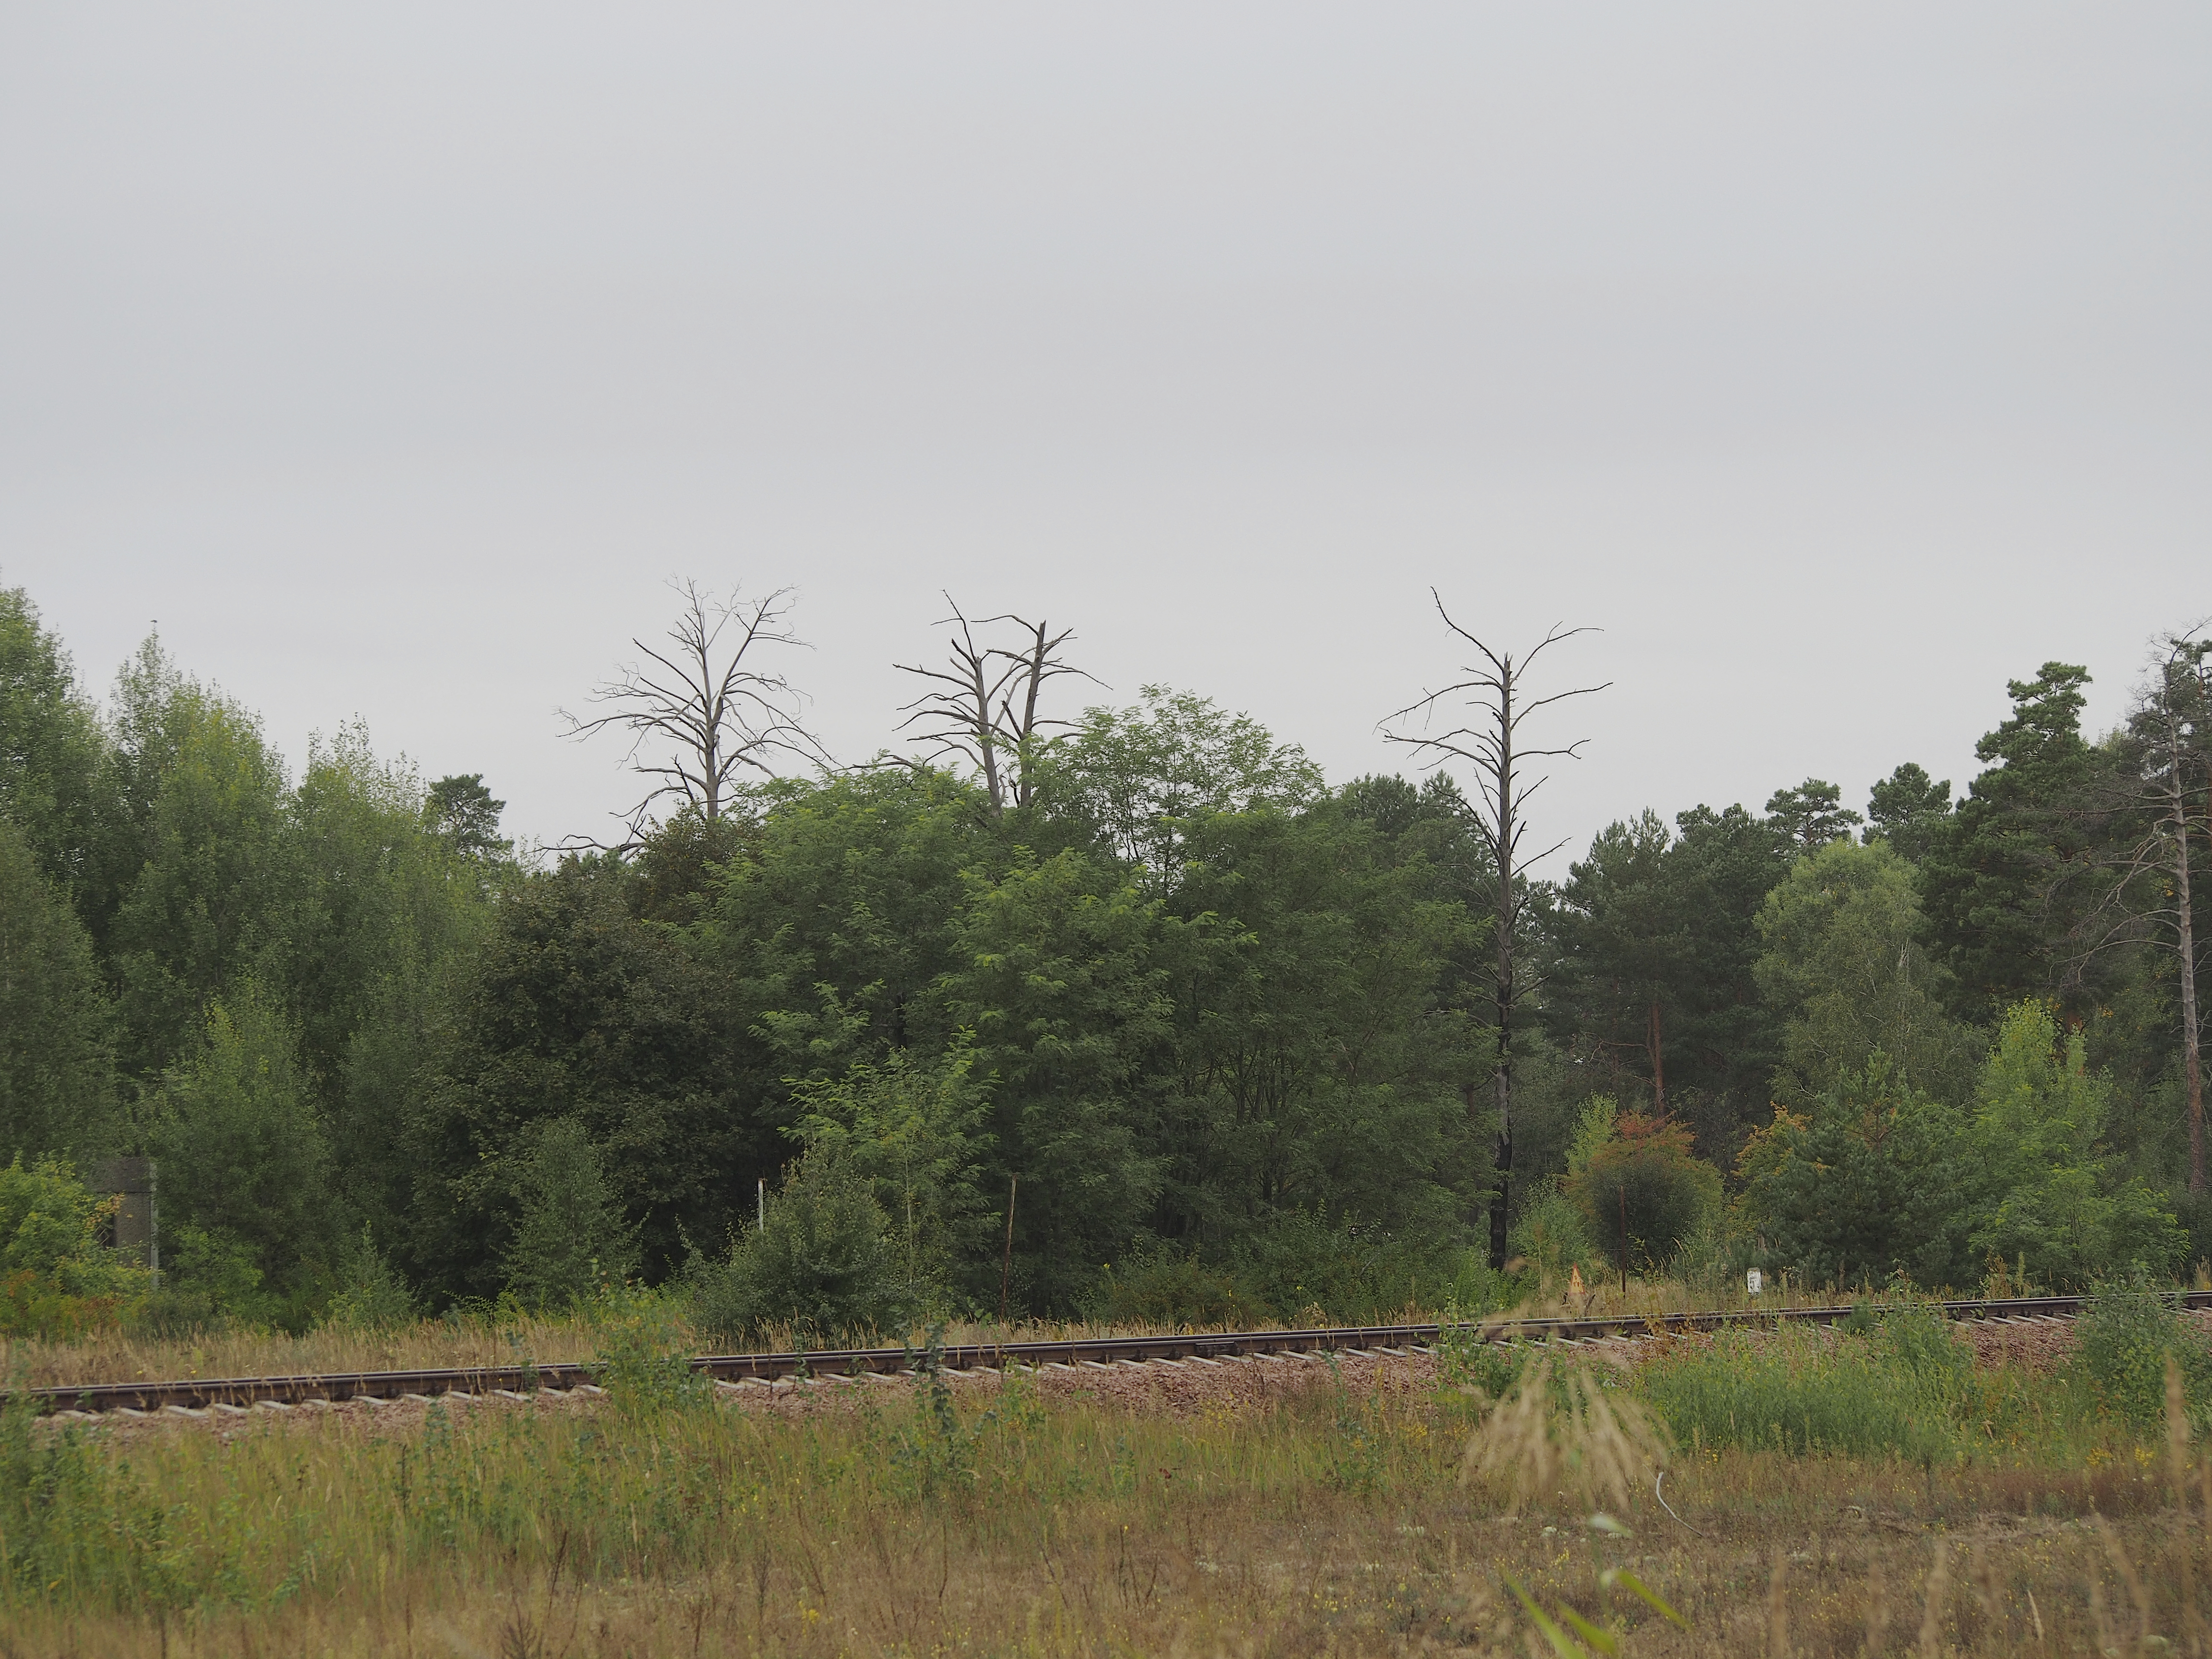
column 1225, row 1034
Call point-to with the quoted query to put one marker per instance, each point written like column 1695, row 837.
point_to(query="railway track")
column 199, row 1396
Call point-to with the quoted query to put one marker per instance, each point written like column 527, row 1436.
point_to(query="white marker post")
column 1754, row 1282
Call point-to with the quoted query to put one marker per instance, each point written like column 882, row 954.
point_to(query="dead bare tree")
column 2156, row 797
column 706, row 710
column 1494, row 687
column 976, row 716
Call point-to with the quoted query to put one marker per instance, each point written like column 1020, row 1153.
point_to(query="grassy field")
column 1854, row 1493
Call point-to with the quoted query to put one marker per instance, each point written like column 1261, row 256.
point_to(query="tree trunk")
column 2185, row 930
column 1658, row 1068
column 1496, row 815
column 2192, row 1066
column 1501, row 1078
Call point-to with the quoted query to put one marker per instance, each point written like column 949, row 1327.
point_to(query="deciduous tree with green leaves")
column 198, row 911
column 57, row 1061
column 912, row 1127
column 1133, row 775
column 1846, row 969
column 51, row 749
column 2056, row 1199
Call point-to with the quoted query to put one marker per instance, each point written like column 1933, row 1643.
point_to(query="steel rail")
column 231, row 1394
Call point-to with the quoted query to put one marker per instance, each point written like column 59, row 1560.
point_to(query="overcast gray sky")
column 1839, row 362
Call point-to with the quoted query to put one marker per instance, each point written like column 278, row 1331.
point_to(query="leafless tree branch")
column 1494, row 687
column 709, row 700
column 2139, row 873
column 986, row 714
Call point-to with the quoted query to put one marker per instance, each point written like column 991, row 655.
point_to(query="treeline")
column 1136, row 1014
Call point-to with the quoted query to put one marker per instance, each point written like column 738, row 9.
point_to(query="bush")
column 1165, row 1286
column 2122, row 1341
column 1870, row 1181
column 211, row 1280
column 1643, row 1192
column 2059, row 1202
column 1352, row 1272
column 1466, row 1360
column 1555, row 1234
column 371, row 1296
column 56, row 1278
column 570, row 1237
column 642, row 1352
column 821, row 1264
column 912, row 1132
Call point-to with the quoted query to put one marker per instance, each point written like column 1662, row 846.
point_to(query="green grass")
column 1804, row 1391
column 990, row 1521
column 993, row 1520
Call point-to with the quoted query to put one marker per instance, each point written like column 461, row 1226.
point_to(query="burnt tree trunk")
column 1493, row 687
column 1505, row 811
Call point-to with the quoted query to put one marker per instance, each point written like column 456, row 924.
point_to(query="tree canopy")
column 1222, row 1034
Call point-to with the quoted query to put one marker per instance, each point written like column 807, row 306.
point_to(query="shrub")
column 1166, row 1286
column 1466, row 1360
column 211, row 1280
column 2060, row 1203
column 821, row 1264
column 912, row 1132
column 1555, row 1234
column 1354, row 1272
column 2122, row 1341
column 642, row 1351
column 570, row 1237
column 56, row 1277
column 1643, row 1192
column 370, row 1296
column 1870, row 1180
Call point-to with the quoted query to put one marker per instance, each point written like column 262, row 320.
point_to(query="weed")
column 1468, row 1358
column 1360, row 1443
column 2124, row 1339
column 1578, row 1439
column 1900, row 1392
column 936, row 1451
column 643, row 1352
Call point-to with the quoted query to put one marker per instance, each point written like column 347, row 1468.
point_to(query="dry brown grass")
column 1558, row 1433
column 1310, row 1573
column 1316, row 1519
column 116, row 1356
